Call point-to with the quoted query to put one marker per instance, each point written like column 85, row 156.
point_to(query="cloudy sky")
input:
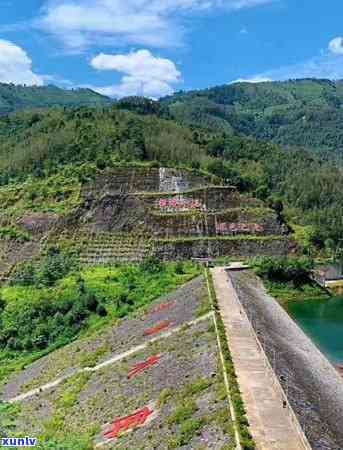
column 154, row 47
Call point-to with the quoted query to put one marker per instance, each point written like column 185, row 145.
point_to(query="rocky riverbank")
column 314, row 387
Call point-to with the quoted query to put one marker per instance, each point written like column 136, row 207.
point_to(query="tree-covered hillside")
column 14, row 97
column 41, row 141
column 306, row 113
column 38, row 145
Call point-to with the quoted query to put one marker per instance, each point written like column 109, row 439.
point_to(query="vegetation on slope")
column 305, row 113
column 48, row 304
column 242, row 423
column 288, row 278
column 45, row 155
column 13, row 97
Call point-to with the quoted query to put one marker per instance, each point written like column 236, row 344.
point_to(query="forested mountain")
column 14, row 97
column 36, row 144
column 307, row 113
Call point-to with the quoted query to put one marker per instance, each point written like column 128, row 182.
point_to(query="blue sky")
column 153, row 47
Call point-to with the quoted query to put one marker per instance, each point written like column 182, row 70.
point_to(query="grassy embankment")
column 48, row 305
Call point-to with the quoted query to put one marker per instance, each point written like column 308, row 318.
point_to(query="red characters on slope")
column 162, row 307
column 164, row 324
column 125, row 423
column 151, row 361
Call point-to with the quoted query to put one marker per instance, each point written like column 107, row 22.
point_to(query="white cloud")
column 256, row 79
column 143, row 74
column 336, row 46
column 83, row 23
column 58, row 81
column 328, row 65
column 239, row 4
column 325, row 66
column 16, row 66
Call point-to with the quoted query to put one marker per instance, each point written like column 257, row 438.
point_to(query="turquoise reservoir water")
column 322, row 320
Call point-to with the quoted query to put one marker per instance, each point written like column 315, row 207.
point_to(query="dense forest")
column 13, row 97
column 253, row 136
column 305, row 113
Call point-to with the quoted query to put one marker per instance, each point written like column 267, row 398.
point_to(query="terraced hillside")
column 110, row 367
column 72, row 396
column 128, row 214
column 173, row 215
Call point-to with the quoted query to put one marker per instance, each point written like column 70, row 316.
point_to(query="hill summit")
column 13, row 97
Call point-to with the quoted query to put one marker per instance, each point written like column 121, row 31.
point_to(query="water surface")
column 322, row 320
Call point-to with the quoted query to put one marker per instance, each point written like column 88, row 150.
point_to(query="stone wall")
column 144, row 179
column 262, row 222
column 196, row 212
column 206, row 199
column 127, row 200
column 212, row 248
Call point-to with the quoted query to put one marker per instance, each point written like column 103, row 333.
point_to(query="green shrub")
column 11, row 232
column 54, row 266
column 184, row 410
column 188, row 429
column 41, row 322
column 68, row 442
column 296, row 270
column 179, row 268
column 199, row 385
column 24, row 275
column 101, row 310
column 152, row 265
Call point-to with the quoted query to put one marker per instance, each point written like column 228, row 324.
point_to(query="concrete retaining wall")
column 220, row 247
column 231, row 223
column 145, row 179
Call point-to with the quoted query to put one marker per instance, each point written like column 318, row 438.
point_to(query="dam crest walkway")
column 273, row 424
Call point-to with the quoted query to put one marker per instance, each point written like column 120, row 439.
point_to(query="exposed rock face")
column 130, row 213
column 208, row 207
column 213, row 248
column 38, row 222
column 143, row 179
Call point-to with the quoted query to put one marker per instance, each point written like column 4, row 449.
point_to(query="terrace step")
column 105, row 247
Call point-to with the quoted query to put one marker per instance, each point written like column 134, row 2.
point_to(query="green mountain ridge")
column 66, row 144
column 13, row 97
column 305, row 113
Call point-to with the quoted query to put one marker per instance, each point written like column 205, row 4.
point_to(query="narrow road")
column 271, row 424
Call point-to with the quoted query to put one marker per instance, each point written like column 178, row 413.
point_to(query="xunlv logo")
column 18, row 442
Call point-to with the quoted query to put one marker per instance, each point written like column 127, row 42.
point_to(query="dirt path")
column 117, row 358
column 272, row 425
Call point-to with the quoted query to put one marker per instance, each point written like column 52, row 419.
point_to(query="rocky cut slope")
column 128, row 214
column 171, row 214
